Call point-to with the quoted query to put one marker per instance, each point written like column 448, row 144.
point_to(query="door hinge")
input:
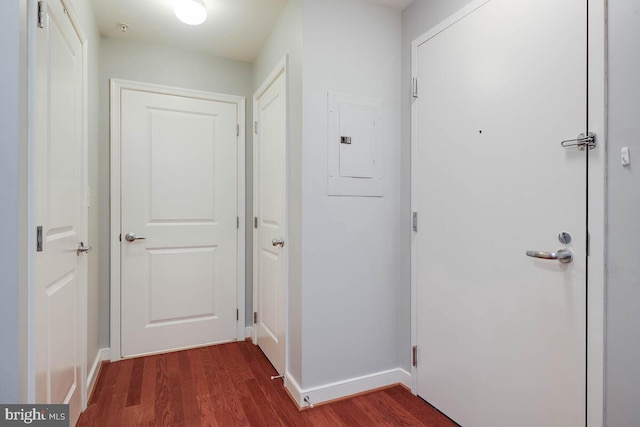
column 255, row 317
column 414, row 87
column 255, row 127
column 255, row 222
column 237, row 314
column 238, row 222
column 41, row 8
column 588, row 244
column 415, row 221
column 39, row 238
column 120, row 237
column 414, row 356
column 237, row 130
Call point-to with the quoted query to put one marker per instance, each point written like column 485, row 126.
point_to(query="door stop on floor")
column 308, row 402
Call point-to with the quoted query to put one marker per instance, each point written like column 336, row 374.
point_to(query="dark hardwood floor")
column 229, row 385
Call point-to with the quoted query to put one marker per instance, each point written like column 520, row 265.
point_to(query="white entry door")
column 501, row 335
column 60, row 212
column 179, row 221
column 270, row 141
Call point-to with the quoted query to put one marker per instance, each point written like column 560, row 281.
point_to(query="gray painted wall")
column 10, row 160
column 622, row 381
column 286, row 38
column 417, row 19
column 352, row 247
column 163, row 65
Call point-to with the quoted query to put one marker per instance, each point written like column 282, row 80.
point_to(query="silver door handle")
column 563, row 255
column 82, row 249
column 278, row 242
column 132, row 237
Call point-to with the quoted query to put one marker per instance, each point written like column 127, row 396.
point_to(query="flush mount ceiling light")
column 191, row 12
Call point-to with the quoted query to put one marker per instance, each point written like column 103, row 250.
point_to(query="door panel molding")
column 117, row 86
column 77, row 284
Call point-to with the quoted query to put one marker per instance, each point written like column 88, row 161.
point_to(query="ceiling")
column 234, row 29
column 395, row 4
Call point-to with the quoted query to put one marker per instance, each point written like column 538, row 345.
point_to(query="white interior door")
column 270, row 142
column 501, row 336
column 179, row 221
column 59, row 185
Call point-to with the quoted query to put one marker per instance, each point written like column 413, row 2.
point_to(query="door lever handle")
column 565, row 256
column 82, row 249
column 132, row 237
column 278, row 242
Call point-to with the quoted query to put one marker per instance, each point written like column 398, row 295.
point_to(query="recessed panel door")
column 60, row 212
column 270, row 208
column 179, row 222
column 501, row 335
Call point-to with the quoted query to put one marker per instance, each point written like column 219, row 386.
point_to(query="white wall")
column 622, row 407
column 352, row 247
column 286, row 38
column 11, row 159
column 417, row 19
column 163, row 65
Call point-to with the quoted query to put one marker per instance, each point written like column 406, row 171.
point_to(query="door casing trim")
column 597, row 123
column 116, row 87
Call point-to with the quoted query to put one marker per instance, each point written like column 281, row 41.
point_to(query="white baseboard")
column 248, row 332
column 342, row 389
column 103, row 354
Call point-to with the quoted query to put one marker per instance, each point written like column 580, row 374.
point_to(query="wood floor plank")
column 135, row 384
column 274, row 414
column 215, row 396
column 395, row 411
column 324, row 416
column 351, row 414
column 185, row 366
column 148, row 390
column 245, row 349
column 162, row 411
column 365, row 404
column 229, row 385
column 116, row 408
column 233, row 393
column 234, row 358
column 421, row 410
column 123, row 380
column 176, row 402
column 100, row 382
column 235, row 372
column 132, row 416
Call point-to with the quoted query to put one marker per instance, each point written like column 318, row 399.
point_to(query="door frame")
column 31, row 101
column 282, row 67
column 116, row 87
column 597, row 122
